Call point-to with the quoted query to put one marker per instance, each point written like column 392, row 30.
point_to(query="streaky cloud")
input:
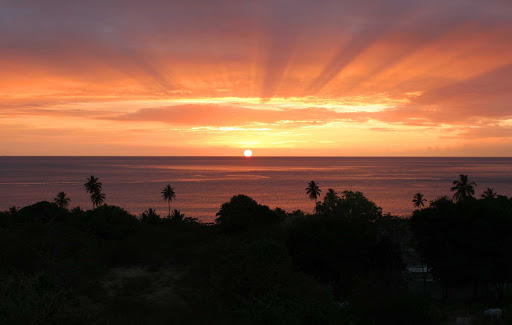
column 366, row 33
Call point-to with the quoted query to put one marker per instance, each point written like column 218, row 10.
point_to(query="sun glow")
column 329, row 85
column 248, row 153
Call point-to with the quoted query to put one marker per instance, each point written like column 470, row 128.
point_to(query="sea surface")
column 202, row 184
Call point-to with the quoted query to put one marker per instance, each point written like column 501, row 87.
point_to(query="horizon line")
column 234, row 156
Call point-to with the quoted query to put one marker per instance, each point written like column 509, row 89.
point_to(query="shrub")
column 28, row 299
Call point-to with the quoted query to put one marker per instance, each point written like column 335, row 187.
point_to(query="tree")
column 330, row 198
column 463, row 188
column 13, row 210
column 150, row 216
column 168, row 195
column 97, row 199
column 418, row 200
column 489, row 194
column 94, row 187
column 313, row 190
column 111, row 222
column 331, row 194
column 466, row 243
column 351, row 205
column 340, row 246
column 61, row 200
column 243, row 213
column 177, row 215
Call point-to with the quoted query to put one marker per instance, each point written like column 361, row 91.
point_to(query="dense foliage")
column 342, row 264
column 467, row 242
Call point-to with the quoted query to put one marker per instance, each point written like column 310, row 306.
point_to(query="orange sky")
column 363, row 78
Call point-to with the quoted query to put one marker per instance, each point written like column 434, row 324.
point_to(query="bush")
column 28, row 299
column 397, row 308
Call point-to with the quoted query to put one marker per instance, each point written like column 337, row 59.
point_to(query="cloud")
column 363, row 32
column 218, row 115
column 487, row 132
column 485, row 98
column 426, row 64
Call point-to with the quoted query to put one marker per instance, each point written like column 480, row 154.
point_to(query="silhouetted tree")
column 13, row 210
column 242, row 212
column 313, row 190
column 330, row 197
column 111, row 222
column 331, row 193
column 77, row 210
column 351, row 205
column 343, row 243
column 61, row 200
column 441, row 202
column 489, row 194
column 150, row 216
column 463, row 188
column 176, row 215
column 94, row 187
column 418, row 200
column 97, row 199
column 466, row 243
column 168, row 195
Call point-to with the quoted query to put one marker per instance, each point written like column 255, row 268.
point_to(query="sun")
column 248, row 153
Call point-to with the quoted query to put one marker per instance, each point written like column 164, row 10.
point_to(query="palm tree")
column 418, row 200
column 150, row 213
column 177, row 215
column 150, row 216
column 331, row 195
column 97, row 199
column 313, row 190
column 61, row 200
column 14, row 210
column 489, row 194
column 92, row 186
column 168, row 195
column 462, row 188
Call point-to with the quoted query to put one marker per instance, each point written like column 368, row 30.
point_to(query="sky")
column 280, row 77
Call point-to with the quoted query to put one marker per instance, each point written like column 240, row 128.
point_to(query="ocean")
column 202, row 184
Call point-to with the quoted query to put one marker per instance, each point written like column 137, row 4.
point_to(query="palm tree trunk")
column 169, row 202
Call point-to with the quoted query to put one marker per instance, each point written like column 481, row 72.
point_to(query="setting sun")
column 329, row 85
column 383, row 171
